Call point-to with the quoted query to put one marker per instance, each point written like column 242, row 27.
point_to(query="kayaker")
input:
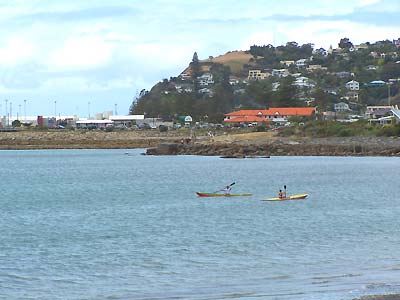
column 280, row 194
column 227, row 190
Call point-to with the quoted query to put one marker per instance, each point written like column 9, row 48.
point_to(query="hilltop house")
column 276, row 115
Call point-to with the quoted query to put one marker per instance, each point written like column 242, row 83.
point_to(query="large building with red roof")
column 272, row 114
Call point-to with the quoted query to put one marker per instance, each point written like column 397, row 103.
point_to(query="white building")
column 205, row 79
column 301, row 63
column 353, row 85
column 280, row 73
column 341, row 107
column 304, row 82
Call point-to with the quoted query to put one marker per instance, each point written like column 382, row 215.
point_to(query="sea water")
column 115, row 224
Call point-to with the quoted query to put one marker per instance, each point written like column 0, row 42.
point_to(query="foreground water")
column 100, row 224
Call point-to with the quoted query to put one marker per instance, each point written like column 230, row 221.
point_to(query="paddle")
column 224, row 188
column 284, row 187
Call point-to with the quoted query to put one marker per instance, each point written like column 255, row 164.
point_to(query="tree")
column 345, row 43
column 287, row 92
column 16, row 123
column 321, row 99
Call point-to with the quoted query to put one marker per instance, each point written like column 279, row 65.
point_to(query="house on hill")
column 272, row 115
column 257, row 75
column 205, row 79
column 353, row 85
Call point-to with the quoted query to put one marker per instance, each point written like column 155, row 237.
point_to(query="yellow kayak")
column 294, row 197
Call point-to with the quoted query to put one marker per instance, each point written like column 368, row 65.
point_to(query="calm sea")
column 102, row 224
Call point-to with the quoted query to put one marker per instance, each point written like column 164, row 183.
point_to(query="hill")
column 235, row 60
column 341, row 80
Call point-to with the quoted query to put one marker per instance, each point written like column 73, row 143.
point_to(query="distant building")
column 316, row 68
column 234, row 80
column 373, row 112
column 352, row 96
column 301, row 63
column 257, row 75
column 205, row 79
column 280, row 73
column 353, row 85
column 275, row 86
column 287, row 63
column 271, row 115
column 376, row 83
column 304, row 82
column 343, row 74
column 184, row 88
column 341, row 107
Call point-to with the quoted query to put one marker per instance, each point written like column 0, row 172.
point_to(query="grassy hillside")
column 235, row 60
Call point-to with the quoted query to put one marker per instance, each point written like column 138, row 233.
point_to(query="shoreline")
column 225, row 144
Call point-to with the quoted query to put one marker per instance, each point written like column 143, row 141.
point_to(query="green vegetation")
column 364, row 63
column 338, row 129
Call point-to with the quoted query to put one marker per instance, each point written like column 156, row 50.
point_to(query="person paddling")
column 227, row 190
column 280, row 194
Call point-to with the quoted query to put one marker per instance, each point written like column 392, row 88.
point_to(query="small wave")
column 321, row 282
column 336, row 276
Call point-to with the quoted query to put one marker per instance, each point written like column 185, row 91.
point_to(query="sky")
column 81, row 57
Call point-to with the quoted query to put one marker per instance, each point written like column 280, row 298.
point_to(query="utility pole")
column 25, row 109
column 89, row 110
column 10, row 112
column 388, row 84
column 6, row 112
column 19, row 111
column 55, row 109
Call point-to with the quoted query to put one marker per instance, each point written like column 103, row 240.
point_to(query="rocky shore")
column 181, row 142
column 351, row 146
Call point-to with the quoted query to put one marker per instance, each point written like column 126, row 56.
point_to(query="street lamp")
column 55, row 109
column 89, row 110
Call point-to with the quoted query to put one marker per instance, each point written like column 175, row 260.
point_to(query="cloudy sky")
column 82, row 56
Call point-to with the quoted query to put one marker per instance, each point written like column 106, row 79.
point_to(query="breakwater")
column 355, row 146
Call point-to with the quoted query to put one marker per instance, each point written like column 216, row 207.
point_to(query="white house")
column 341, row 107
column 205, row 79
column 301, row 63
column 280, row 72
column 353, row 85
column 304, row 82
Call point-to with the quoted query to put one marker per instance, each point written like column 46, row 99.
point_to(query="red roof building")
column 268, row 115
